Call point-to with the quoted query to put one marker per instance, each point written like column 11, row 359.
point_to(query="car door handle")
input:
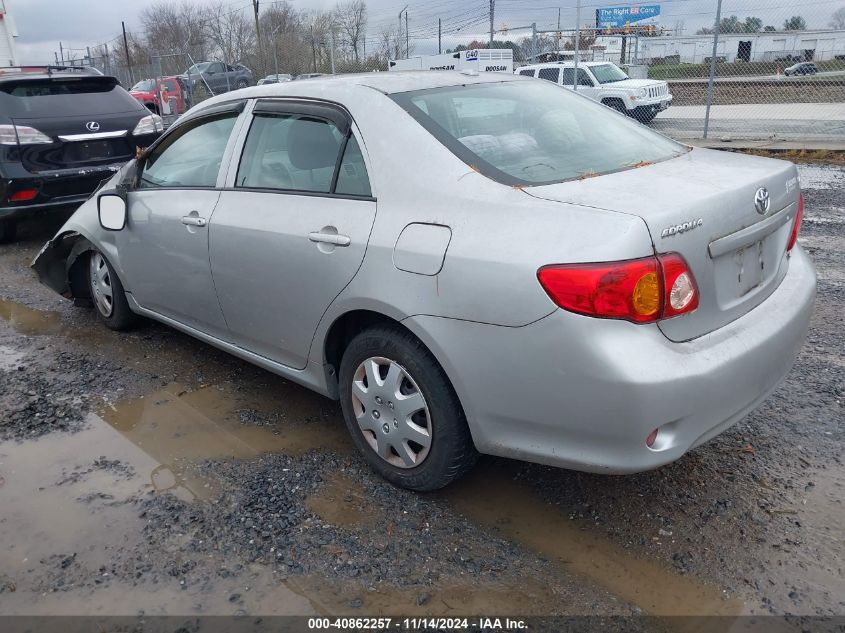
column 330, row 238
column 192, row 220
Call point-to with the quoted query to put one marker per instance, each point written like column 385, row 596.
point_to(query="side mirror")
column 112, row 210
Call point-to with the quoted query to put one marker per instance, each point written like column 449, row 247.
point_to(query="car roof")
column 41, row 74
column 387, row 83
column 564, row 64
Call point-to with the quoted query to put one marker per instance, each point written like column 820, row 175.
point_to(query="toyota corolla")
column 469, row 263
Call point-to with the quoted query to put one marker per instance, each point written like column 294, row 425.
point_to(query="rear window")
column 534, row 133
column 65, row 97
column 144, row 86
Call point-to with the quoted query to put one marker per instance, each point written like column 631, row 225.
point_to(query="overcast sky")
column 42, row 24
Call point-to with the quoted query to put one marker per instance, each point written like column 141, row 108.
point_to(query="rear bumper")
column 585, row 393
column 59, row 189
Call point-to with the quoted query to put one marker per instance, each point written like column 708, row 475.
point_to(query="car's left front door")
column 164, row 248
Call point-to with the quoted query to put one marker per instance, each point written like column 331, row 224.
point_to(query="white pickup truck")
column 605, row 82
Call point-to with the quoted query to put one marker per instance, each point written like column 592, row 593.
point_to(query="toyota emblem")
column 762, row 200
column 92, row 126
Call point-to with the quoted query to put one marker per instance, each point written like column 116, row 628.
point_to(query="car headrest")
column 311, row 144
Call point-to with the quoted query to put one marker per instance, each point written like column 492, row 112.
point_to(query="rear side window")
column 190, row 156
column 532, row 133
column 65, row 96
column 526, row 73
column 299, row 152
column 550, row 74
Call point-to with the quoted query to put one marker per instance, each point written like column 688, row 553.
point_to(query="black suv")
column 63, row 130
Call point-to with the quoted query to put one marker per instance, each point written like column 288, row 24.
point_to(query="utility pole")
column 399, row 36
column 439, row 36
column 313, row 48
column 331, row 49
column 107, row 60
column 258, row 38
column 712, row 67
column 407, row 42
column 492, row 10
column 577, row 43
column 534, row 40
column 62, row 51
column 126, row 50
column 557, row 46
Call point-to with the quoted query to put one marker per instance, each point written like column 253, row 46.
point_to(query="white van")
column 605, row 82
column 488, row 60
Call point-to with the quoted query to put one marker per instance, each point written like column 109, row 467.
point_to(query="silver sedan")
column 470, row 264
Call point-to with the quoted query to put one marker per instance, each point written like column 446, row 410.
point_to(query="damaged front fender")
column 54, row 263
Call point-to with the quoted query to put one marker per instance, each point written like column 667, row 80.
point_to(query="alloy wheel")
column 392, row 412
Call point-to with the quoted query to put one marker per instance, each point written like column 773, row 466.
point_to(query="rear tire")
column 393, row 392
column 8, row 231
column 108, row 296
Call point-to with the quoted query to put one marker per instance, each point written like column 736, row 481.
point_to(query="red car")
column 162, row 96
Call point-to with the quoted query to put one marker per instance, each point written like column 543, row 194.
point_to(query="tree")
column 795, row 23
column 731, row 25
column 351, row 19
column 231, row 32
column 753, row 25
column 171, row 28
column 837, row 20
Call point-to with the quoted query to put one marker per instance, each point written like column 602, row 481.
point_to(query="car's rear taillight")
column 25, row 135
column 639, row 290
column 796, row 225
column 23, row 195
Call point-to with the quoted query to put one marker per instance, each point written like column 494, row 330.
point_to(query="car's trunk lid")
column 702, row 205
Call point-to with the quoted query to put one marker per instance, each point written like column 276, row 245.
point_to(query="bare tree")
column 171, row 27
column 837, row 20
column 351, row 19
column 392, row 43
column 286, row 38
column 230, row 31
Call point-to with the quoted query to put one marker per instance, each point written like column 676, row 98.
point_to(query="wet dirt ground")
column 149, row 473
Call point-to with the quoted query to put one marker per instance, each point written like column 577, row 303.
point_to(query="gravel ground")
column 150, row 473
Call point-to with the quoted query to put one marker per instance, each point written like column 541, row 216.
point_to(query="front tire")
column 242, row 83
column 8, row 231
column 108, row 295
column 402, row 411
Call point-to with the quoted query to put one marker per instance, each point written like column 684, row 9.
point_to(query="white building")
column 8, row 33
column 753, row 47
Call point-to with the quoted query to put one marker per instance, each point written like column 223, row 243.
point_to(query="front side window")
column 583, row 77
column 526, row 73
column 551, row 74
column 524, row 133
column 190, row 156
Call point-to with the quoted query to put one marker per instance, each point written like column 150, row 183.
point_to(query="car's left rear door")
column 291, row 228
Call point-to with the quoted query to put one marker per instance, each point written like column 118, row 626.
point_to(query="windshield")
column 534, row 132
column 198, row 68
column 144, row 86
column 608, row 73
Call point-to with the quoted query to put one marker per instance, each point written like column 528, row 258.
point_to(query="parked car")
column 803, row 68
column 606, row 83
column 164, row 95
column 309, row 75
column 275, row 79
column 62, row 132
column 217, row 77
column 544, row 280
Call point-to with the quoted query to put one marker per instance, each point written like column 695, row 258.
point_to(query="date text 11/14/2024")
column 417, row 624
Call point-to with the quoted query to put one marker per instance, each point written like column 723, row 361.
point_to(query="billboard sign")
column 620, row 17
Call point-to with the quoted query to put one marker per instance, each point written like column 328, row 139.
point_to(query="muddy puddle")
column 491, row 497
column 25, row 320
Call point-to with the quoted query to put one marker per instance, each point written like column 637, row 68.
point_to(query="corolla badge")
column 681, row 228
column 762, row 201
column 92, row 126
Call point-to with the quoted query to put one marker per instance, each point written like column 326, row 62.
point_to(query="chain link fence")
column 766, row 82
